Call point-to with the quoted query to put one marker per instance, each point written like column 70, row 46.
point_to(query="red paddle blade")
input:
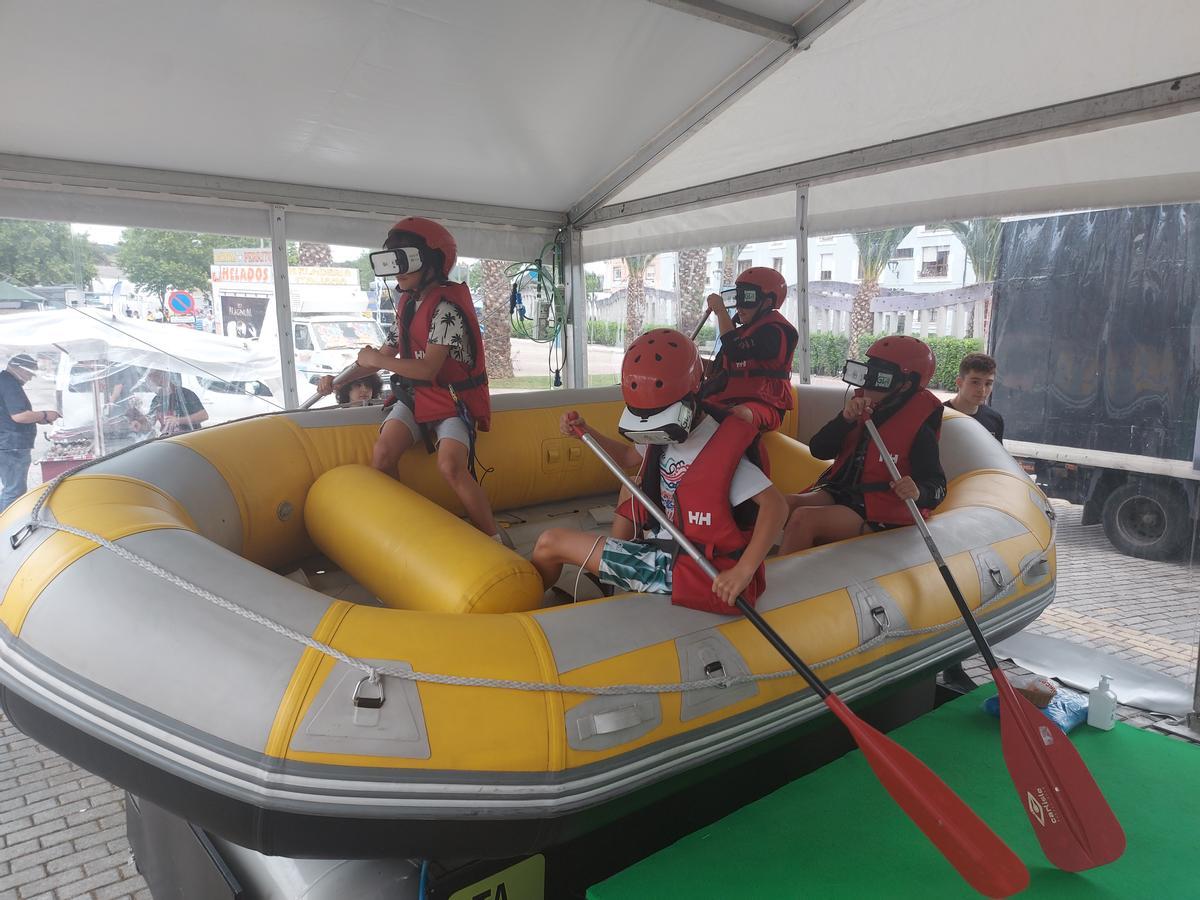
column 981, row 858
column 1073, row 822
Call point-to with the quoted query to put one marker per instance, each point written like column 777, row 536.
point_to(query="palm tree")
column 875, row 248
column 635, row 295
column 729, row 258
column 497, row 331
column 981, row 239
column 690, row 266
column 315, row 254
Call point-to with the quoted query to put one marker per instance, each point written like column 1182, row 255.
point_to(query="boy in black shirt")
column 976, row 376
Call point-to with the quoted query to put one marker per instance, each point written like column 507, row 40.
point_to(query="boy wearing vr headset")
column 751, row 373
column 435, row 355
column 856, row 495
column 698, row 462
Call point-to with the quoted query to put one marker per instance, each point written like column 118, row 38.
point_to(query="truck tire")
column 1147, row 520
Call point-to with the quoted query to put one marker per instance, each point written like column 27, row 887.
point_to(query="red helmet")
column 770, row 283
column 912, row 356
column 660, row 368
column 430, row 237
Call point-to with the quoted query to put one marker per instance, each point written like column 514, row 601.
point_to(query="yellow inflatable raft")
column 254, row 630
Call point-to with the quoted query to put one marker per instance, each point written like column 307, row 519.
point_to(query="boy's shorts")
column 454, row 428
column 636, row 566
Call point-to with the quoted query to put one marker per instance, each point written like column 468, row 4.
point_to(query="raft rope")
column 374, row 673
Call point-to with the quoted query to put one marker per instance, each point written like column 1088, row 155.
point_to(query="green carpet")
column 836, row 832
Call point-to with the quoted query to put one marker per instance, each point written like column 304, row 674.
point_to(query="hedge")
column 829, row 353
column 610, row 334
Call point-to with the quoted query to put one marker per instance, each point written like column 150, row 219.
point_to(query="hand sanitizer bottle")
column 1102, row 705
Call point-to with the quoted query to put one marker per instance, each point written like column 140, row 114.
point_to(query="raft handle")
column 997, row 575
column 879, row 614
column 367, row 699
column 715, row 669
column 18, row 537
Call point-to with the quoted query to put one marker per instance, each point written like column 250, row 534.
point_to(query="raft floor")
column 836, row 832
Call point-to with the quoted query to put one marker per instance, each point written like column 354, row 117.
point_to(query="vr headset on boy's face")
column 873, row 375
column 670, row 425
column 397, row 261
column 747, row 296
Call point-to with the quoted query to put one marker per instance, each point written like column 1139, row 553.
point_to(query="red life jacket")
column 704, row 515
column 769, row 380
column 898, row 433
column 433, row 400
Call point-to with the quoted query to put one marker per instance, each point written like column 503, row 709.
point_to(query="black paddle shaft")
column 919, row 521
column 748, row 611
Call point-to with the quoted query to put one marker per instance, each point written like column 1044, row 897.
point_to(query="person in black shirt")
column 176, row 409
column 976, row 376
column 18, row 427
column 856, row 494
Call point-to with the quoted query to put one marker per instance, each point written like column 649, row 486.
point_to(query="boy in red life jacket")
column 856, row 495
column 751, row 374
column 696, row 462
column 435, row 353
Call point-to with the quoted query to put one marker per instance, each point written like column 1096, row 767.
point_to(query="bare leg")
column 452, row 463
column 810, row 526
column 394, row 439
column 622, row 527
column 808, row 498
column 556, row 546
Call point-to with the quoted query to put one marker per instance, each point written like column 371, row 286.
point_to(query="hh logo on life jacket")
column 895, row 457
column 699, row 518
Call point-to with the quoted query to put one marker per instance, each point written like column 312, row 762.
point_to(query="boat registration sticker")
column 525, row 880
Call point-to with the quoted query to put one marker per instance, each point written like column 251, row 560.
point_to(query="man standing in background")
column 18, row 427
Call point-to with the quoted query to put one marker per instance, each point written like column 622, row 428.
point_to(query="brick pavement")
column 62, row 830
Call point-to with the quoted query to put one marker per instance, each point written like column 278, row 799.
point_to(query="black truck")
column 1096, row 335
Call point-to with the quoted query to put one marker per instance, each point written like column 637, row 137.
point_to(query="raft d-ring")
column 716, row 669
column 879, row 614
column 372, row 696
column 997, row 576
column 18, row 537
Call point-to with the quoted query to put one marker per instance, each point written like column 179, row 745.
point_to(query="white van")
column 325, row 345
column 123, row 396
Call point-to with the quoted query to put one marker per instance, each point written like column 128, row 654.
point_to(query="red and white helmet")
column 768, row 284
column 435, row 244
column 908, row 354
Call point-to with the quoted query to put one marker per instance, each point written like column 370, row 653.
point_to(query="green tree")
column 875, row 248
column 635, row 295
column 981, row 239
column 163, row 261
column 690, row 266
column 497, row 328
column 45, row 253
column 593, row 283
column 729, row 260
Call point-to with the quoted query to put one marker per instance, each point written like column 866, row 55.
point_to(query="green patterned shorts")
column 636, row 566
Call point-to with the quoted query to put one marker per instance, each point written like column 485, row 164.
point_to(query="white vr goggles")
column 399, row 261
column 874, row 375
column 670, row 425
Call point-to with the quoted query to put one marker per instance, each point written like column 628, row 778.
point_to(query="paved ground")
column 62, row 830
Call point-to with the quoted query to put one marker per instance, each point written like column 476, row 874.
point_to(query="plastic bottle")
column 1102, row 705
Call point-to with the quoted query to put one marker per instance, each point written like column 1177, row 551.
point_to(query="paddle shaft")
column 317, row 396
column 707, row 567
column 919, row 521
column 704, row 318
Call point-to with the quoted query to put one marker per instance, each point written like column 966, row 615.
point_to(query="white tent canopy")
column 505, row 116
